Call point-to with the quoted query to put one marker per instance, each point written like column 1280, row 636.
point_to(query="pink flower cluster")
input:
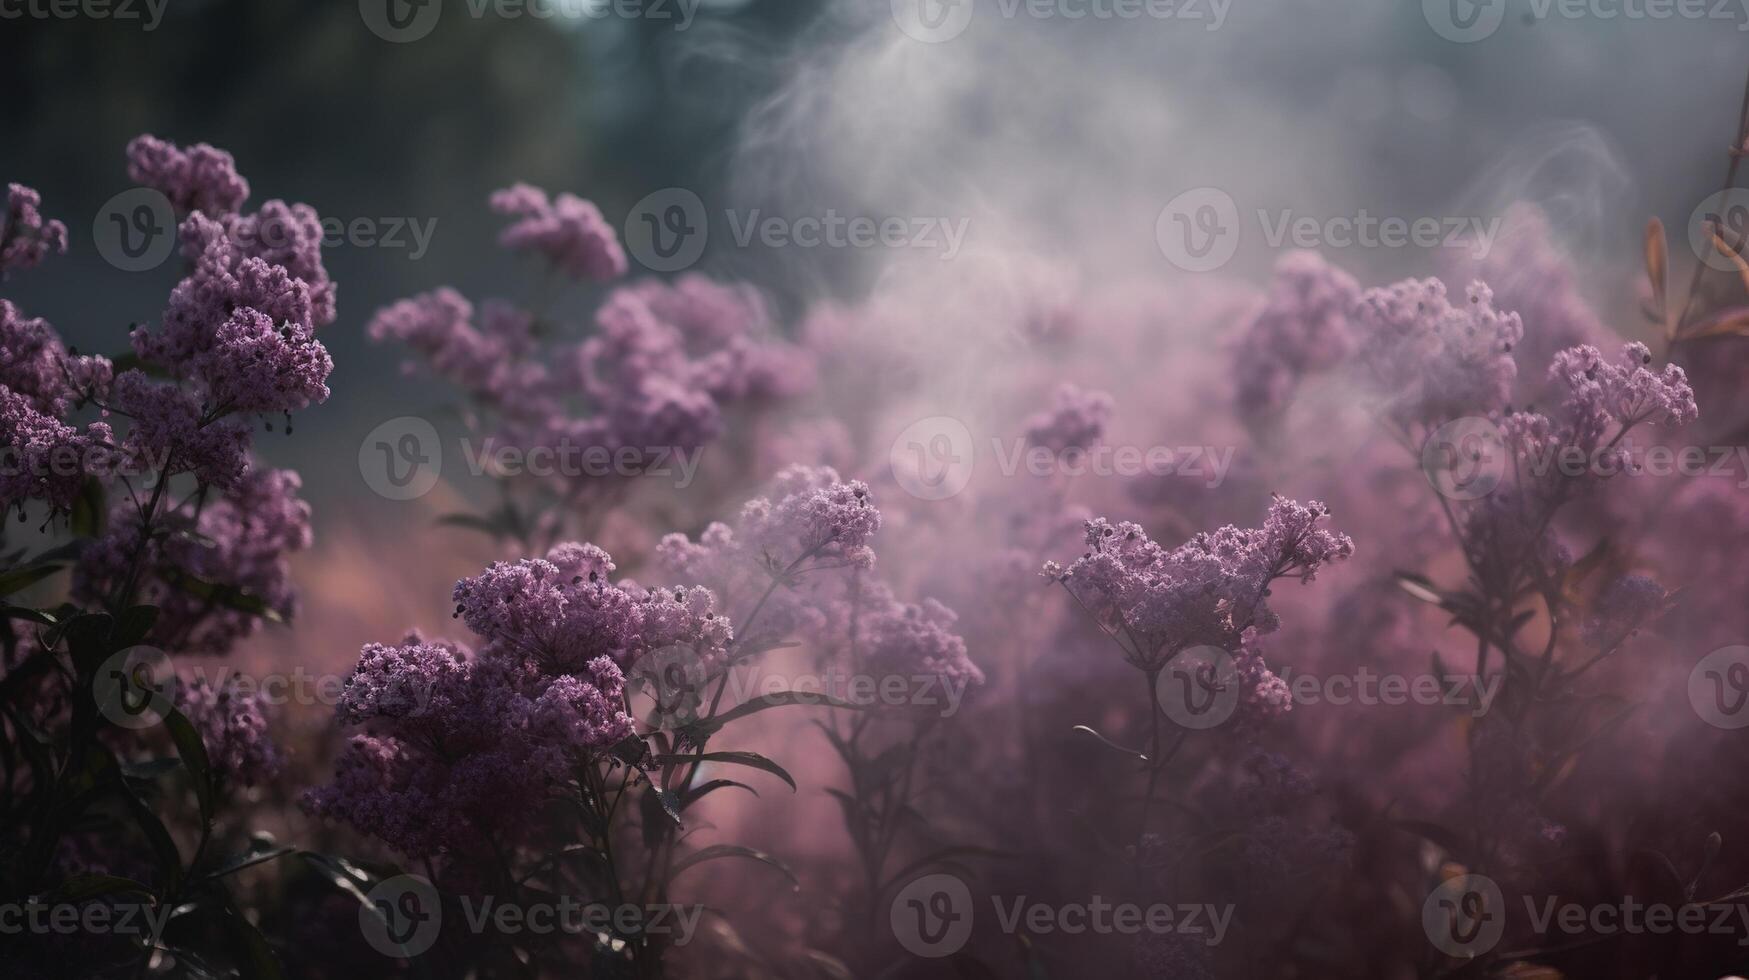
column 569, row 231
column 25, row 236
column 1075, row 420
column 237, row 338
column 199, row 178
column 232, row 724
column 1433, row 360
column 459, row 745
column 1213, row 590
column 238, row 543
column 1302, row 330
column 663, row 362
column 804, row 555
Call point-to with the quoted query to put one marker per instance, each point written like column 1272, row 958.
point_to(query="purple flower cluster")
column 804, row 553
column 40, row 380
column 238, row 543
column 1212, row 590
column 1435, row 361
column 663, row 362
column 36, row 365
column 1623, row 606
column 255, row 366
column 908, row 640
column 1076, row 420
column 199, row 178
column 810, row 517
column 490, row 363
column 1601, row 402
column 1302, row 330
column 1531, row 276
column 232, row 725
column 1626, row 392
column 569, row 231
column 460, row 744
column 46, row 455
column 25, row 236
column 560, row 612
column 239, row 311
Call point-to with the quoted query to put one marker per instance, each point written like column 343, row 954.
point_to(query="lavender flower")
column 816, row 516
column 225, row 279
column 25, row 236
column 233, row 727
column 1626, row 392
column 464, row 742
column 239, row 541
column 36, row 365
column 1532, row 276
column 1076, row 420
column 253, row 366
column 911, row 641
column 1623, row 606
column 200, row 178
column 47, row 457
column 1432, row 360
column 568, row 230
column 1212, row 590
column 1302, row 330
column 171, row 431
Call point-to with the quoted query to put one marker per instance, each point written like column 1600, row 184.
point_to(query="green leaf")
column 87, row 638
column 248, row 859
column 149, row 769
column 255, row 957
column 1108, row 743
column 1421, row 588
column 780, row 699
column 79, row 888
column 163, row 845
column 36, row 616
column 473, row 522
column 225, row 596
column 698, row 792
column 194, row 758
column 716, row 851
column 341, row 874
column 19, row 579
column 90, row 513
column 752, row 760
column 133, row 624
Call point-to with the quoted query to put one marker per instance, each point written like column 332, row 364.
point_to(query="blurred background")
column 1066, row 135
